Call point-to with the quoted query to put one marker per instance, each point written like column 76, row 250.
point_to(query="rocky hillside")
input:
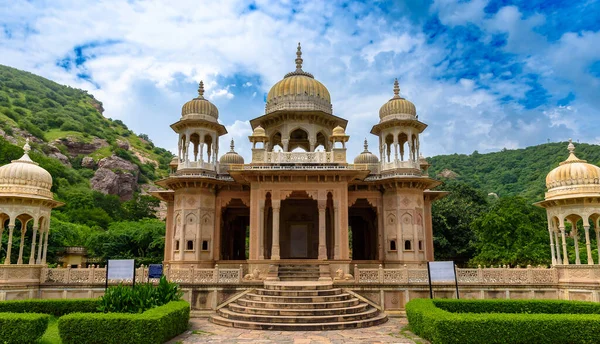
column 510, row 172
column 68, row 125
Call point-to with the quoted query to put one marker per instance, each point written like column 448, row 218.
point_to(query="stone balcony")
column 183, row 165
column 336, row 156
column 400, row 164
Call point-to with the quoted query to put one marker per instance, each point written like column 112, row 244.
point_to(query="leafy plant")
column 137, row 299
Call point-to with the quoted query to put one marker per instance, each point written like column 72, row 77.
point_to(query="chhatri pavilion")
column 298, row 201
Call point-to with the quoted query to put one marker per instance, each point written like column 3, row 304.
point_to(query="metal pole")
column 429, row 278
column 106, row 280
column 456, row 282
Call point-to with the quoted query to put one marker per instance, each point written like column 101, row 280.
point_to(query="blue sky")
column 484, row 75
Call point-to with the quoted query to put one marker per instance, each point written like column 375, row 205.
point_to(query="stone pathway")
column 202, row 331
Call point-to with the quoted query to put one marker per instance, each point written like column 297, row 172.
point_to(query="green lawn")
column 51, row 336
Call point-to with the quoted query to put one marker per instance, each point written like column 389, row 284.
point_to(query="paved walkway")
column 202, row 331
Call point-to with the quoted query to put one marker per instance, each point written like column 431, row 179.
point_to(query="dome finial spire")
column 571, row 147
column 232, row 146
column 26, row 147
column 366, row 145
column 396, row 88
column 299, row 58
column 201, row 90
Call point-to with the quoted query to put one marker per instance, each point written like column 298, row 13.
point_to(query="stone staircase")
column 298, row 306
column 298, row 272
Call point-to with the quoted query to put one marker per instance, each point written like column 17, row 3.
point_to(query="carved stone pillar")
column 261, row 229
column 336, row 230
column 187, row 147
column 182, row 241
column 285, row 143
column 45, row 246
column 275, row 255
column 1, row 232
column 597, row 240
column 395, row 148
column 40, row 247
column 22, row 243
column 551, row 245
column 564, row 245
column 322, row 241
column 32, row 254
column 576, row 242
column 556, row 242
column 9, row 247
column 588, row 245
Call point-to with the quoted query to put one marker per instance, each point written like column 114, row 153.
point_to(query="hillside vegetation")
column 71, row 138
column 515, row 172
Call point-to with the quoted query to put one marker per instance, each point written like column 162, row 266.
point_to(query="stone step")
column 304, row 285
column 269, row 292
column 298, row 299
column 299, row 273
column 297, row 305
column 229, row 314
column 298, row 268
column 379, row 319
column 299, row 279
column 361, row 307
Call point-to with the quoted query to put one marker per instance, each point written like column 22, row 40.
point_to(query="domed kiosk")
column 26, row 198
column 572, row 198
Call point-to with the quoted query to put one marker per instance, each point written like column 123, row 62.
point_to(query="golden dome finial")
column 366, row 145
column 396, row 88
column 299, row 58
column 232, row 146
column 26, row 147
column 571, row 146
column 201, row 90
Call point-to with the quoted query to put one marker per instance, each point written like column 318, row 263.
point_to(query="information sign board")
column 120, row 269
column 442, row 272
column 155, row 271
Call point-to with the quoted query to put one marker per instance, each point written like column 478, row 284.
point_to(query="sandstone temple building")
column 299, row 201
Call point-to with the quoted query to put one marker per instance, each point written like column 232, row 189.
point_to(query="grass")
column 54, row 134
column 51, row 335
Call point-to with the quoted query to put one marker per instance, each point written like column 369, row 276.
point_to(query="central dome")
column 298, row 91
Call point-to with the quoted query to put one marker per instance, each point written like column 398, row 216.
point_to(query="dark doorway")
column 235, row 226
column 362, row 219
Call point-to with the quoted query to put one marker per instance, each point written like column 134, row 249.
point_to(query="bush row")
column 518, row 306
column 57, row 307
column 22, row 328
column 156, row 325
column 443, row 327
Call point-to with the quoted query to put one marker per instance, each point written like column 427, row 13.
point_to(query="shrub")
column 441, row 326
column 153, row 326
column 125, row 299
column 22, row 328
column 518, row 306
column 53, row 307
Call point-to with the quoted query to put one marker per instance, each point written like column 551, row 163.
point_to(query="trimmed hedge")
column 22, row 328
column 443, row 327
column 518, row 306
column 156, row 325
column 56, row 307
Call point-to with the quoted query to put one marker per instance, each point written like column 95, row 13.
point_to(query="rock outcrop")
column 446, row 173
column 75, row 147
column 116, row 176
column 88, row 162
column 123, row 144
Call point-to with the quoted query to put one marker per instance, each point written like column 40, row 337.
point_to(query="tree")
column 513, row 232
column 141, row 240
column 452, row 216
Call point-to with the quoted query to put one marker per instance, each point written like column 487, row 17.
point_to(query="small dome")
column 200, row 106
column 25, row 176
column 232, row 157
column 259, row 131
column 366, row 157
column 338, row 131
column 174, row 162
column 397, row 105
column 573, row 174
column 298, row 91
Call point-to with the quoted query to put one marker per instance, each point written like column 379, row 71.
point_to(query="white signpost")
column 120, row 269
column 444, row 272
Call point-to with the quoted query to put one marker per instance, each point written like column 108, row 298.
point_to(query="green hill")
column 510, row 172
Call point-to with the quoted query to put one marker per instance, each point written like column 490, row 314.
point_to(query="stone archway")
column 299, row 227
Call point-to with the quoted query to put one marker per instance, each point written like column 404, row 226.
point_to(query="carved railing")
column 94, row 275
column 479, row 276
column 196, row 165
column 335, row 156
column 399, row 164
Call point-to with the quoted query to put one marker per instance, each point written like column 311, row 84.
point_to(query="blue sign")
column 155, row 271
